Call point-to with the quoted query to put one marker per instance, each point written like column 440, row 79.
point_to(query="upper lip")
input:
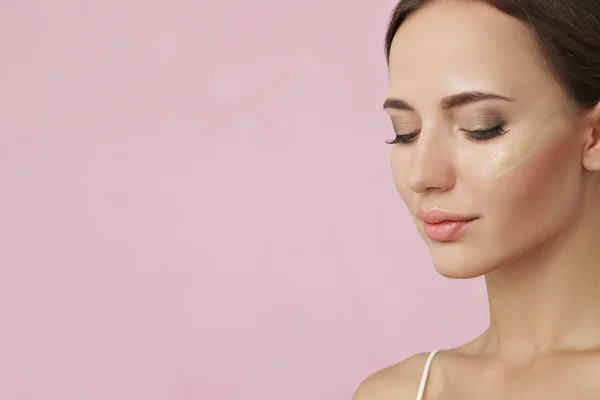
column 438, row 216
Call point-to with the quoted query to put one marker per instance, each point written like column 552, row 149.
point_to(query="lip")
column 443, row 226
column 438, row 216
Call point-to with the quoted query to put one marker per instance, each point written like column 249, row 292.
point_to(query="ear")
column 591, row 149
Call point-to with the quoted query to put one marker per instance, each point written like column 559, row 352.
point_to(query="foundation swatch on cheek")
column 523, row 149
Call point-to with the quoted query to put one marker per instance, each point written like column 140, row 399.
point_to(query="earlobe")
column 591, row 149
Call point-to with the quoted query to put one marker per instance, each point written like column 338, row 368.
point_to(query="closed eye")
column 403, row 139
column 485, row 134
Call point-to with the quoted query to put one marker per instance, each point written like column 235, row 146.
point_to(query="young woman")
column 497, row 156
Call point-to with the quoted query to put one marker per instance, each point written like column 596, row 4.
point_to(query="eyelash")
column 476, row 136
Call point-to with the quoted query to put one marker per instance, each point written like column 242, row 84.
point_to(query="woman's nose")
column 431, row 167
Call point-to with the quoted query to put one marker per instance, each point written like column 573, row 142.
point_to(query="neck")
column 549, row 301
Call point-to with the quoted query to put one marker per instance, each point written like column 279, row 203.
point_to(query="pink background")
column 196, row 203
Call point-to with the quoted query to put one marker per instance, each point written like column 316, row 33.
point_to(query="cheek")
column 541, row 191
column 399, row 165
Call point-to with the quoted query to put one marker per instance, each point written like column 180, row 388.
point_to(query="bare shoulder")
column 397, row 382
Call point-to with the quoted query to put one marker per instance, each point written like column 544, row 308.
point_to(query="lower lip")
column 446, row 231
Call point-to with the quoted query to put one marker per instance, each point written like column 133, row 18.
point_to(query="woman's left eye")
column 485, row 134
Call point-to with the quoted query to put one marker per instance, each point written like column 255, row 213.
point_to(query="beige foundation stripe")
column 521, row 151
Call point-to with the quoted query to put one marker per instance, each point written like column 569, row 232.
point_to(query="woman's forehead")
column 451, row 47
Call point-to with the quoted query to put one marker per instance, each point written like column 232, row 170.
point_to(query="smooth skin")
column 537, row 238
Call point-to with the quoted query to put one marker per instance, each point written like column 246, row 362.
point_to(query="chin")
column 455, row 263
column 458, row 272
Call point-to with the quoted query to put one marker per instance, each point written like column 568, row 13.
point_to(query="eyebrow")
column 455, row 100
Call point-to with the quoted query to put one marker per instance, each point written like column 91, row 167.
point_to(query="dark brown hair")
column 567, row 32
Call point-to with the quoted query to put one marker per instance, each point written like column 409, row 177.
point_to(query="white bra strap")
column 426, row 374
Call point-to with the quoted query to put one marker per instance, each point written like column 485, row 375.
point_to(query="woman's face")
column 488, row 134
